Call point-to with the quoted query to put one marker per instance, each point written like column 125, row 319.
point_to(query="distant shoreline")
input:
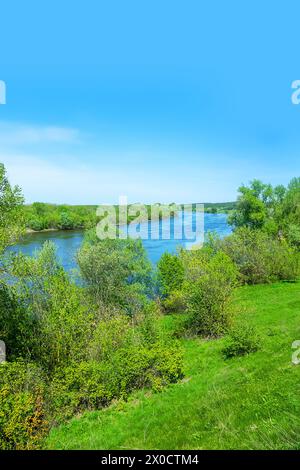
column 30, row 231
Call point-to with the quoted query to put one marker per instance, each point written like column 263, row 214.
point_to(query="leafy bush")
column 16, row 324
column 93, row 384
column 175, row 302
column 11, row 213
column 293, row 235
column 259, row 257
column 286, row 262
column 116, row 272
column 242, row 339
column 170, row 273
column 148, row 324
column 22, row 414
column 208, row 288
column 112, row 332
column 59, row 322
column 275, row 210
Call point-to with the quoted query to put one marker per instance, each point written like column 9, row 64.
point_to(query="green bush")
column 148, row 324
column 22, row 415
column 175, row 302
column 286, row 262
column 92, row 385
column 242, row 339
column 170, row 273
column 293, row 235
column 59, row 322
column 259, row 257
column 208, row 288
column 116, row 272
column 16, row 324
column 113, row 331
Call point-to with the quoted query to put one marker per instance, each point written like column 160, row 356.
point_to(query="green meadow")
column 249, row 402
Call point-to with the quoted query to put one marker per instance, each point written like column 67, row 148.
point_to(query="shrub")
column 93, row 384
column 116, row 272
column 259, row 257
column 16, row 324
column 22, row 414
column 242, row 339
column 61, row 322
column 11, row 213
column 286, row 262
column 148, row 324
column 170, row 273
column 208, row 291
column 175, row 302
column 293, row 235
column 111, row 333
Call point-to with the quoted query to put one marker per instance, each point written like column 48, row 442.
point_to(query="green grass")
column 249, row 402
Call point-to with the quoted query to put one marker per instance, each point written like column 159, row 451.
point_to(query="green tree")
column 11, row 215
column 170, row 273
column 252, row 205
column 116, row 272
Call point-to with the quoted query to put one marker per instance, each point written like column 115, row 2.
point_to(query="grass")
column 249, row 402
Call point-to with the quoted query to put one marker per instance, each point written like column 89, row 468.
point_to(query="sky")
column 169, row 101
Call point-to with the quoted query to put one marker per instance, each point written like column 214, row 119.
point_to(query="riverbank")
column 40, row 217
column 30, row 230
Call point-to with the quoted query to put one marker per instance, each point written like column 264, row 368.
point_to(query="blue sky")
column 156, row 100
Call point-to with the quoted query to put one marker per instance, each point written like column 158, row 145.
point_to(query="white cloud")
column 23, row 134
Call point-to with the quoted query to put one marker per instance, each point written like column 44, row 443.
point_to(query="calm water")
column 68, row 242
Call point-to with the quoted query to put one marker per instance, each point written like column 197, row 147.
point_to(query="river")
column 68, row 242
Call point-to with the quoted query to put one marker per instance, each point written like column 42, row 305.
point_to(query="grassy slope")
column 251, row 402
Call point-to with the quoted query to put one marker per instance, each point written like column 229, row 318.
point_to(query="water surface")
column 68, row 242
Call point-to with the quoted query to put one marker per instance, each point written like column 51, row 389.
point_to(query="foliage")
column 275, row 210
column 16, row 324
column 116, row 272
column 219, row 207
column 256, row 204
column 293, row 235
column 175, row 302
column 148, row 325
column 94, row 384
column 11, row 220
column 60, row 321
column 170, row 273
column 209, row 283
column 77, row 346
column 22, row 415
column 243, row 338
column 41, row 216
column 259, row 257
